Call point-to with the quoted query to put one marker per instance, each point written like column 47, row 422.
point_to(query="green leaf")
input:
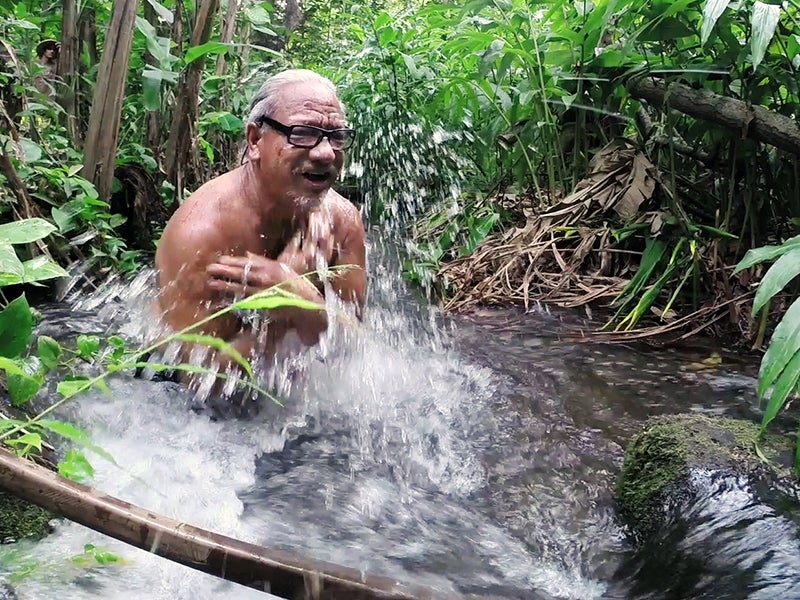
column 75, row 435
column 195, row 52
column 218, row 344
column 42, row 268
column 786, row 382
column 25, row 231
column 783, row 346
column 24, row 383
column 225, row 121
column 49, row 351
column 765, row 253
column 27, row 441
column 16, row 326
column 712, row 11
column 75, row 466
column 765, row 20
column 88, row 345
column 10, row 264
column 274, row 301
column 72, row 387
column 31, row 151
column 151, row 92
column 786, row 268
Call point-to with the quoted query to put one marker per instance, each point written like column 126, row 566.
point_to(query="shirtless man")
column 268, row 222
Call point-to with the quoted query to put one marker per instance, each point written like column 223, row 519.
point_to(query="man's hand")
column 240, row 276
column 309, row 245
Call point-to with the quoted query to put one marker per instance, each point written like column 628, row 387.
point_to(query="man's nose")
column 323, row 151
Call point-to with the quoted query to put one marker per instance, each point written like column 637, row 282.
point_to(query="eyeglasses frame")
column 323, row 133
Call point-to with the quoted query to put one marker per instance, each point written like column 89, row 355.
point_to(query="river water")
column 469, row 453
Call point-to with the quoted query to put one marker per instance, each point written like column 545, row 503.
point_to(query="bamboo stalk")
column 275, row 571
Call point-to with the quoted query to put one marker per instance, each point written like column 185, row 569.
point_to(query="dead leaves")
column 574, row 253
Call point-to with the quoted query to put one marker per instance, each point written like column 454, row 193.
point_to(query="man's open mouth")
column 317, row 177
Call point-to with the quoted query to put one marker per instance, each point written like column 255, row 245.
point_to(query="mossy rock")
column 656, row 475
column 20, row 519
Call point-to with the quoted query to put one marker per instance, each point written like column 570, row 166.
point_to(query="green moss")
column 20, row 519
column 658, row 460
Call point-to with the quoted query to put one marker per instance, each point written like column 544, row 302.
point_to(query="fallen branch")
column 755, row 122
column 277, row 572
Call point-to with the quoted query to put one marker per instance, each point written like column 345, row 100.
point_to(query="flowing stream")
column 468, row 453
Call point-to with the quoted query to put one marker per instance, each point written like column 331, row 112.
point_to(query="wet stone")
column 700, row 505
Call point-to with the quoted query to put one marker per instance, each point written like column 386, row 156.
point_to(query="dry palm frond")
column 574, row 253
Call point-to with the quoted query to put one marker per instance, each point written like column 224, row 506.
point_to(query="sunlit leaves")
column 75, row 466
column 765, row 20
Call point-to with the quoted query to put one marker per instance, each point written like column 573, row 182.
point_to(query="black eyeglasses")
column 308, row 136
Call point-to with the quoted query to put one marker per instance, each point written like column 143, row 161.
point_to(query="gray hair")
column 266, row 100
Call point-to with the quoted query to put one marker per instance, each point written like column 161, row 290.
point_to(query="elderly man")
column 268, row 222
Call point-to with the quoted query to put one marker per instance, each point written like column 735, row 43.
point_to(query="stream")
column 472, row 453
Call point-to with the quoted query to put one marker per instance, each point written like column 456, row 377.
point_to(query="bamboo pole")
column 275, row 571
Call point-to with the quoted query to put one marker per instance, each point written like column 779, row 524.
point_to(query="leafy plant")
column 780, row 367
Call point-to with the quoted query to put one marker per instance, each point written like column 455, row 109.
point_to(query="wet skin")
column 265, row 223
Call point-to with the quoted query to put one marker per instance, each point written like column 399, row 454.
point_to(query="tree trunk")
column 153, row 134
column 280, row 573
column 228, row 27
column 185, row 112
column 67, row 67
column 754, row 122
column 101, row 140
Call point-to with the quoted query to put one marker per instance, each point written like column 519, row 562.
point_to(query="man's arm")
column 351, row 284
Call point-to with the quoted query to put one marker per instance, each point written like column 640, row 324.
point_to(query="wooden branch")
column 755, row 122
column 275, row 571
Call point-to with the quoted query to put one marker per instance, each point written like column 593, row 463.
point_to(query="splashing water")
column 369, row 463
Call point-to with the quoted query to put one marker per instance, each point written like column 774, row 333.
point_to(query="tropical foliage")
column 615, row 151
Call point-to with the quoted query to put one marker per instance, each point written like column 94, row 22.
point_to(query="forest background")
column 639, row 158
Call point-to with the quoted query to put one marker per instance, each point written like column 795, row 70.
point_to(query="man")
column 47, row 56
column 268, row 222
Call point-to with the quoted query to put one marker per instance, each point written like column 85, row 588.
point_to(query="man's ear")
column 253, row 135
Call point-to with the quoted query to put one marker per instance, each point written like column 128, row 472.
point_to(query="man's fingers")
column 224, row 271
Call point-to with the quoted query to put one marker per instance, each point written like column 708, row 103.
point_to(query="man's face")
column 304, row 174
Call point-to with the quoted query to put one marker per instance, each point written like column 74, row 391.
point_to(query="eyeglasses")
column 308, row 136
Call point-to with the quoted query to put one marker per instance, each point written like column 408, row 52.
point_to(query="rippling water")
column 473, row 453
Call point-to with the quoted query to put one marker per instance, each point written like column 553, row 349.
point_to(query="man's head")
column 296, row 135
column 48, row 49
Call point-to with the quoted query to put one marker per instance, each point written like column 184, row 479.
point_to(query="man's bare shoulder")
column 345, row 214
column 201, row 225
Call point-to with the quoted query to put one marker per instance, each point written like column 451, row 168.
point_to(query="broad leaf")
column 16, row 326
column 765, row 253
column 75, row 466
column 786, row 268
column 42, row 268
column 72, row 387
column 782, row 347
column 30, row 150
column 765, row 20
column 49, row 351
column 25, row 231
column 783, row 387
column 9, row 262
column 712, row 11
column 195, row 52
column 24, row 383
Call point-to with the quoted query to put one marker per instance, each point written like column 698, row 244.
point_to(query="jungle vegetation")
column 637, row 157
